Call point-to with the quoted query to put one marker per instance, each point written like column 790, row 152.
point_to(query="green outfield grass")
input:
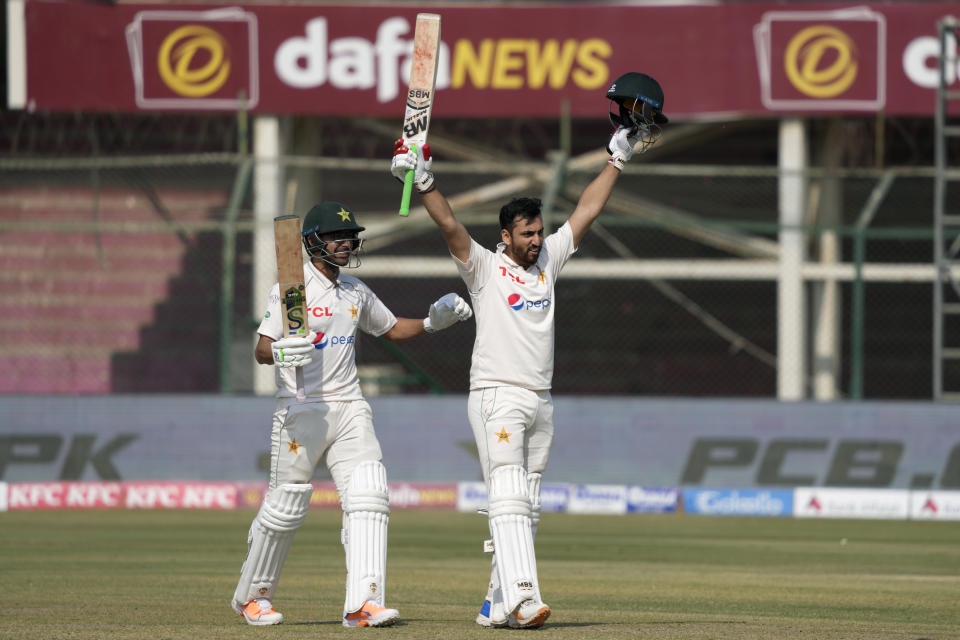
column 169, row 575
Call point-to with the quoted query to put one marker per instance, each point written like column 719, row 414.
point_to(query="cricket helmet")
column 331, row 217
column 636, row 94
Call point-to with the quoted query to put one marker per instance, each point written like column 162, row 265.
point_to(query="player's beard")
column 524, row 257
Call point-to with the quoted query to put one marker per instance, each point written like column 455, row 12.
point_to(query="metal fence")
column 135, row 274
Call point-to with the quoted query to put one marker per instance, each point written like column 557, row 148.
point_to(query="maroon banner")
column 498, row 61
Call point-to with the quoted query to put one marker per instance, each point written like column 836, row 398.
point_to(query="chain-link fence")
column 135, row 274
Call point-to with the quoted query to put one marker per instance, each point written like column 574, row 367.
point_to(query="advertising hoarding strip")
column 557, row 497
column 494, row 61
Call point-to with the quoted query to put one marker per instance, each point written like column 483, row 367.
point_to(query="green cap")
column 330, row 216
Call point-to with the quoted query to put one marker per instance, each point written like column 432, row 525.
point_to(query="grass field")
column 159, row 575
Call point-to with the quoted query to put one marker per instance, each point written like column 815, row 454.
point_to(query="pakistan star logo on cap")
column 344, row 214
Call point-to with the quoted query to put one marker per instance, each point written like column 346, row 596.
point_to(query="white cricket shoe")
column 259, row 612
column 529, row 614
column 492, row 615
column 371, row 615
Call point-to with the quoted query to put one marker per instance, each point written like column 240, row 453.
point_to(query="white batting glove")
column 447, row 311
column 293, row 352
column 405, row 159
column 621, row 144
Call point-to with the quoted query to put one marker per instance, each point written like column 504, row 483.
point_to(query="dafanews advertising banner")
column 712, row 60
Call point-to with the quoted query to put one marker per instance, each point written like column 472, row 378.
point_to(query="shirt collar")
column 324, row 281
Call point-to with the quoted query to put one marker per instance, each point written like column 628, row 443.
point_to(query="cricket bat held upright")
column 423, row 80
column 293, row 301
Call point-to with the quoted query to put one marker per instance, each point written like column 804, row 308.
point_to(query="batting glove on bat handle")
column 289, row 353
column 447, row 311
column 621, row 146
column 414, row 159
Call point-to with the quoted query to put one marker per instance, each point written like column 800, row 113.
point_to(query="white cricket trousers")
column 511, row 426
column 338, row 434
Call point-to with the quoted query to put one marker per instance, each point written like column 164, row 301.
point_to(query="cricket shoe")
column 492, row 615
column 530, row 614
column 259, row 612
column 371, row 615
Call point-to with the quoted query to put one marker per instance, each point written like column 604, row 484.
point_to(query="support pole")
column 791, row 306
column 826, row 294
column 267, row 200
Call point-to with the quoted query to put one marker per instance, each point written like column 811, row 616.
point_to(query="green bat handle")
column 407, row 188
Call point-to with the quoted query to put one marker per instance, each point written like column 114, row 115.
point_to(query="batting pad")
column 367, row 510
column 271, row 534
column 510, row 524
column 494, row 594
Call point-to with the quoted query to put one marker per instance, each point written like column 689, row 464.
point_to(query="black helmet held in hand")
column 636, row 94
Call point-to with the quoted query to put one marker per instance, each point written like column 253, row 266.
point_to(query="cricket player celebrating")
column 334, row 424
column 512, row 289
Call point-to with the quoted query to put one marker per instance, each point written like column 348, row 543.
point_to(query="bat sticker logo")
column 293, row 303
column 418, row 98
column 412, row 128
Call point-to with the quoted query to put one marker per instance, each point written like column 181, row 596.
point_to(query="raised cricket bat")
column 293, row 301
column 423, row 80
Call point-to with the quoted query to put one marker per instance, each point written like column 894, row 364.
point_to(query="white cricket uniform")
column 510, row 409
column 335, row 424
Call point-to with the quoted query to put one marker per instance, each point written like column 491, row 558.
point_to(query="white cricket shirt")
column 335, row 311
column 514, row 310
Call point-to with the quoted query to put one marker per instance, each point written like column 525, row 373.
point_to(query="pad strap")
column 533, row 487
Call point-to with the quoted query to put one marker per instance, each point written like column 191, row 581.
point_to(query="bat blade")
column 293, row 301
column 420, row 94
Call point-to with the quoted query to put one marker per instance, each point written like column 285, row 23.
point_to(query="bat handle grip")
column 407, row 188
column 301, row 393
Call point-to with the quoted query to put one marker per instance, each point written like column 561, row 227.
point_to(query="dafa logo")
column 194, row 61
column 821, row 61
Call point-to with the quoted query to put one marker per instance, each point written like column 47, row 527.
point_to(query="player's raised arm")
column 636, row 110
column 455, row 234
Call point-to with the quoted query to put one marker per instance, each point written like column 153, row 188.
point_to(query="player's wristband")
column 425, row 184
column 427, row 326
column 618, row 162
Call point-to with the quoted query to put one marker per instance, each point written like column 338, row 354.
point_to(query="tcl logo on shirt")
column 319, row 312
column 516, row 302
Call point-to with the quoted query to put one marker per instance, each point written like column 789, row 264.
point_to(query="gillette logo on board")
column 516, row 302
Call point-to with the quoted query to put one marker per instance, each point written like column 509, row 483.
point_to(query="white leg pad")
column 494, row 593
column 510, row 525
column 271, row 534
column 367, row 511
